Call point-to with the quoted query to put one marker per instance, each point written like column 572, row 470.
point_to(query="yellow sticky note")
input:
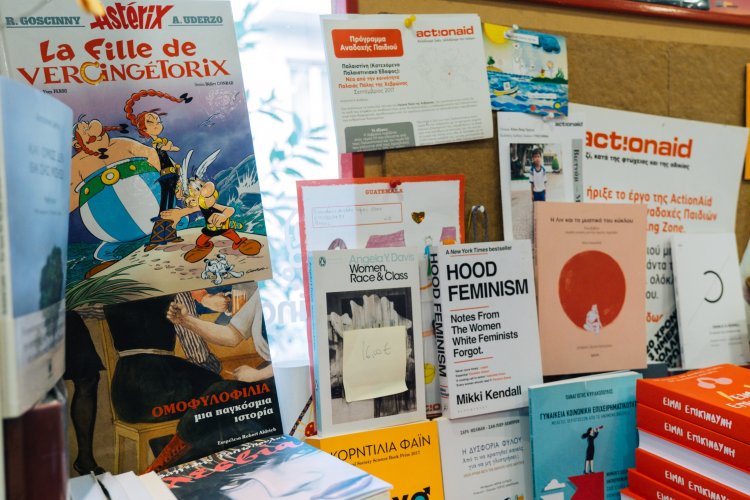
column 374, row 362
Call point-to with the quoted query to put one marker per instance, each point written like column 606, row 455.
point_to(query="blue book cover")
column 583, row 436
column 34, row 179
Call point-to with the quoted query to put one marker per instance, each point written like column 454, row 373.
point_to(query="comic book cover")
column 278, row 467
column 187, row 374
column 163, row 194
column 164, row 199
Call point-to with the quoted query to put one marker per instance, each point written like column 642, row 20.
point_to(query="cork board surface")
column 640, row 64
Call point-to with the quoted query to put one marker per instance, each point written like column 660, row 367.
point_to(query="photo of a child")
column 534, row 177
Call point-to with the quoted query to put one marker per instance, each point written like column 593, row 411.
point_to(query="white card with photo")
column 540, row 160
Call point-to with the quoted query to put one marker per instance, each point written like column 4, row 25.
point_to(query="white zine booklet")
column 710, row 308
column 368, row 357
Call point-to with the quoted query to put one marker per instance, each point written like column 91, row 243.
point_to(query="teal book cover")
column 583, row 436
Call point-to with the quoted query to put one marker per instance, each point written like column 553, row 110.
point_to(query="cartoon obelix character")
column 201, row 195
column 113, row 189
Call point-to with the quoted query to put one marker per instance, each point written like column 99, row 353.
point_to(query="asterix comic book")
column 163, row 178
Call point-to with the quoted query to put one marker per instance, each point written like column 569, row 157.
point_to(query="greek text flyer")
column 401, row 81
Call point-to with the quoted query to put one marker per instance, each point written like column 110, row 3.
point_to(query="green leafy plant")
column 245, row 29
column 555, row 164
column 106, row 289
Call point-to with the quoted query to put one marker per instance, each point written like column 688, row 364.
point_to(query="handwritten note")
column 374, row 362
column 363, row 214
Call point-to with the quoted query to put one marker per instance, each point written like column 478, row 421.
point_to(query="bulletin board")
column 660, row 66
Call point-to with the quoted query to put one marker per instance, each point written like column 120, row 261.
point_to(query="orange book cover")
column 694, row 437
column 747, row 119
column 591, row 286
column 627, row 494
column 407, row 456
column 642, row 485
column 717, row 398
column 683, row 479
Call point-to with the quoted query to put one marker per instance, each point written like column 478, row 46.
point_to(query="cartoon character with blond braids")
column 201, row 195
column 95, row 148
column 149, row 125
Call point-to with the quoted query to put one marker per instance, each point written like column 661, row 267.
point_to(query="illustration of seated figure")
column 149, row 376
column 593, row 323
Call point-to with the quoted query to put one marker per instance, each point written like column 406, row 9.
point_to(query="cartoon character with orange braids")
column 149, row 125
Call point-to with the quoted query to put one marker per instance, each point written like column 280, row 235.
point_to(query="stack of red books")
column 694, row 436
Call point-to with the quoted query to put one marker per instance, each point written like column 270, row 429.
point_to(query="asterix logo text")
column 136, row 17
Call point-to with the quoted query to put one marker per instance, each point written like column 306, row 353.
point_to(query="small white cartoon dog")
column 220, row 268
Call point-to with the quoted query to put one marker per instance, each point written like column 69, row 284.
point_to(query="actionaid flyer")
column 400, row 81
column 688, row 174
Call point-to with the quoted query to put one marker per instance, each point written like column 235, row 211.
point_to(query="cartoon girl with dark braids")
column 149, row 125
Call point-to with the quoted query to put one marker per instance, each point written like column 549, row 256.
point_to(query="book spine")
column 44, row 451
column 696, row 411
column 691, row 436
column 8, row 369
column 11, row 430
column 438, row 328
column 577, row 155
column 647, row 487
column 681, row 478
column 314, row 348
column 681, row 311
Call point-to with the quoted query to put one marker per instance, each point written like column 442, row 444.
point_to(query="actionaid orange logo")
column 432, row 33
column 617, row 142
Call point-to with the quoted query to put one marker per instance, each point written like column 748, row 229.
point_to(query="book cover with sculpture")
column 591, row 284
column 368, row 358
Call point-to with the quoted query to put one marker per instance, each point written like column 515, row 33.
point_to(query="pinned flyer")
column 527, row 70
column 399, row 82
